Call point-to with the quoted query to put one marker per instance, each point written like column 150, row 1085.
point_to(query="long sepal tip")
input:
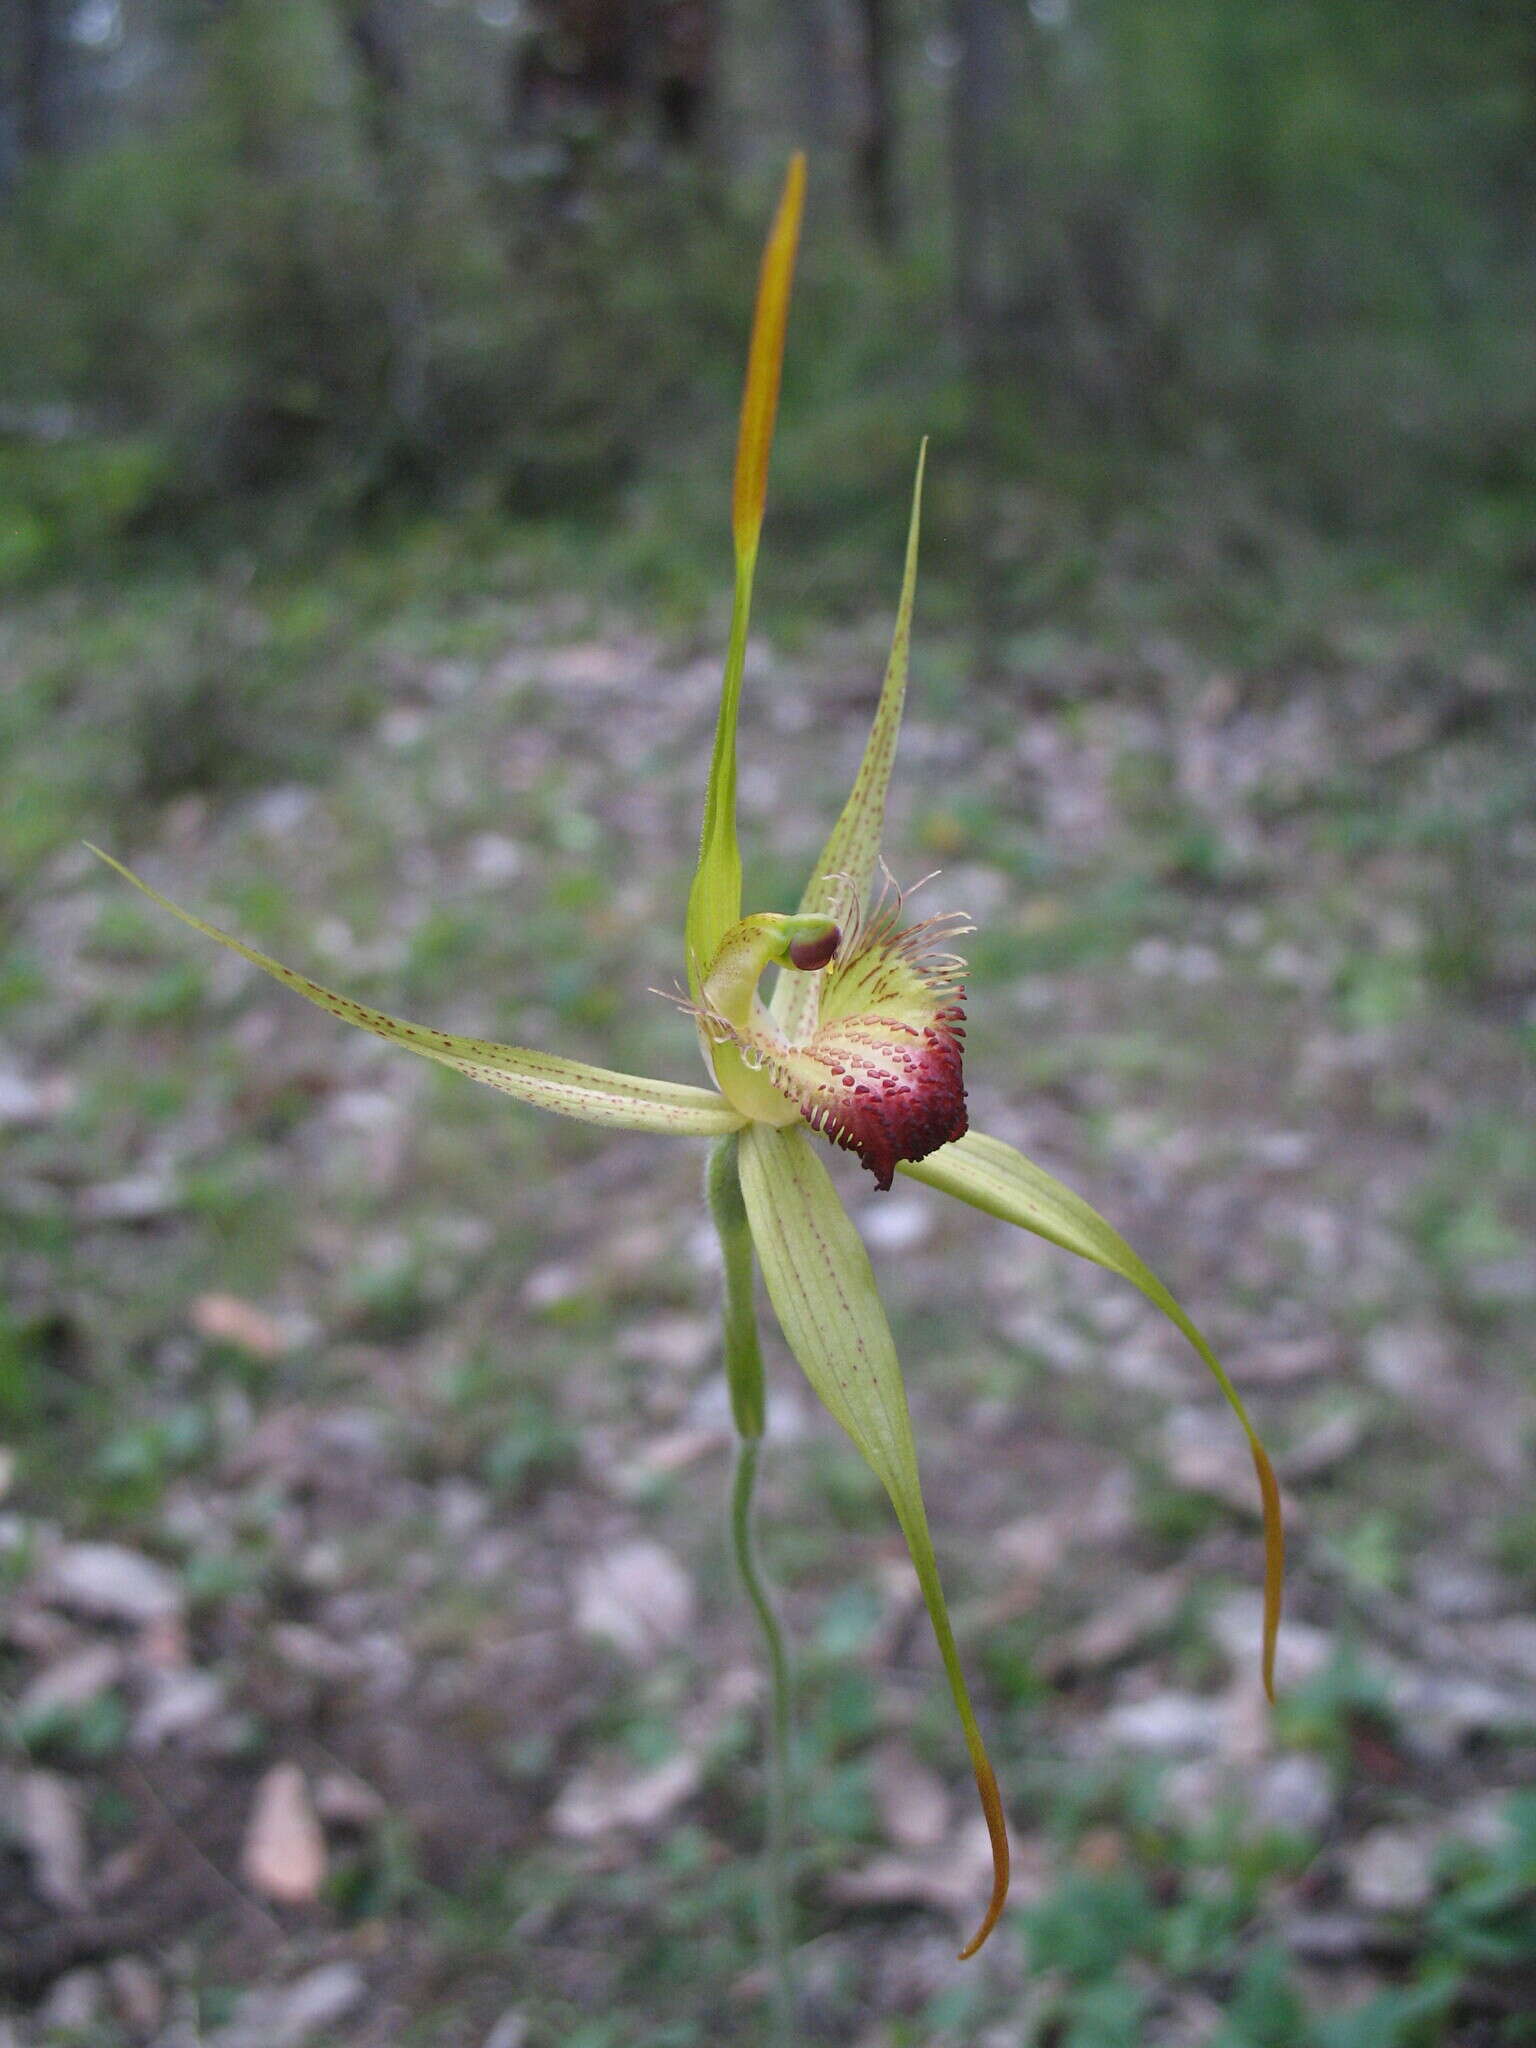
column 765, row 359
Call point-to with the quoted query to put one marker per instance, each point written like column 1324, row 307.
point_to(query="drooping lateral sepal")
column 593, row 1095
column 818, row 1277
column 992, row 1176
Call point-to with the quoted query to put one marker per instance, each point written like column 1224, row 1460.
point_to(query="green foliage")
column 537, row 1448
column 78, row 499
column 1323, row 1712
column 1289, row 229
column 83, row 1732
column 1411, row 2018
column 1487, row 1917
column 1264, row 2010
column 1267, row 258
column 1089, row 1925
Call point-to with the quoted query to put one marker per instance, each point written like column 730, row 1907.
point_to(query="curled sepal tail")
column 994, row 1177
column 818, row 1278
column 997, row 1833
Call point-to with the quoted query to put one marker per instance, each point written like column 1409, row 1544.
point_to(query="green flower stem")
column 744, row 1375
column 743, row 1356
column 775, row 1891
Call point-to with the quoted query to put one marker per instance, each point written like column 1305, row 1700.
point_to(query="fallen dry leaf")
column 678, row 1449
column 1333, row 1440
column 72, row 2008
column 635, row 1596
column 71, row 1681
column 946, row 1877
column 1169, row 1724
column 53, row 1835
column 606, row 1796
column 112, row 1583
column 344, row 1801
column 284, row 1853
column 292, row 2015
column 609, row 1794
column 510, row 2031
column 1391, row 1869
column 910, row 1798
column 226, row 1319
column 136, row 1994
column 140, row 1198
column 1114, row 1630
column 177, row 1704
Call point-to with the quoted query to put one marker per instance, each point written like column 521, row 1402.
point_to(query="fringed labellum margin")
column 879, row 1067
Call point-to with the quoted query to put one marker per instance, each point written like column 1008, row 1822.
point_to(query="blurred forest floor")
column 376, row 1672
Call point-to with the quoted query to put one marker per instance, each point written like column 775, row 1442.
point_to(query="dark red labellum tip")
column 911, row 1102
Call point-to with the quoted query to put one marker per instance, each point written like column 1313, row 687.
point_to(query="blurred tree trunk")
column 377, row 40
column 875, row 152
column 41, row 115
column 814, row 74
column 377, row 43
column 978, row 110
column 573, row 70
column 585, row 68
column 978, row 107
column 686, row 36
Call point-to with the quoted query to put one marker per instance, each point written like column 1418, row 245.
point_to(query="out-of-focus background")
column 373, row 1669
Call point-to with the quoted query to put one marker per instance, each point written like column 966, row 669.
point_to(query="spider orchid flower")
column 860, row 1043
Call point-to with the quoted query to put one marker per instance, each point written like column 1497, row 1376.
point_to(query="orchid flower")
column 861, row 1044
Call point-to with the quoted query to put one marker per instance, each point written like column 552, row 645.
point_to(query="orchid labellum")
column 860, row 1043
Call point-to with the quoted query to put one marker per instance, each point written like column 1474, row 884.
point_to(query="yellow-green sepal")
column 992, row 1176
column 823, row 1292
column 714, row 900
column 593, row 1095
column 714, row 897
column 842, row 881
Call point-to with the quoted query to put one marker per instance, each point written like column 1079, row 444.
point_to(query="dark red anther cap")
column 809, row 954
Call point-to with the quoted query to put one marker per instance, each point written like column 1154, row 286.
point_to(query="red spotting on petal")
column 884, row 1089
